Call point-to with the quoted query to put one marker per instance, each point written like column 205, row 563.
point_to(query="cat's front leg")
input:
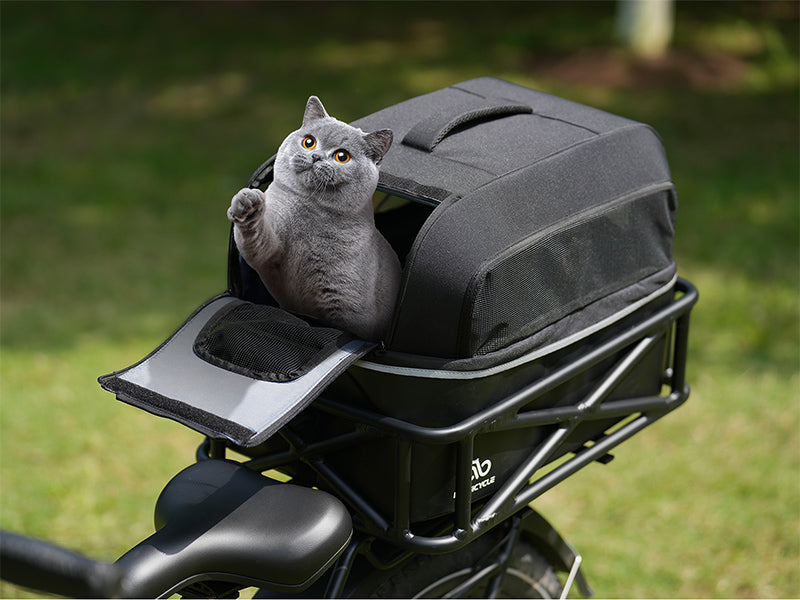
column 253, row 232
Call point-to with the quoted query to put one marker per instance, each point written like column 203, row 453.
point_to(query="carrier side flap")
column 237, row 370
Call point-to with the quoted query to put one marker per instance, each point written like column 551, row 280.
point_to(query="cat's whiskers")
column 318, row 188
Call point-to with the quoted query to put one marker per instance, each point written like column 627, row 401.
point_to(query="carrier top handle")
column 431, row 130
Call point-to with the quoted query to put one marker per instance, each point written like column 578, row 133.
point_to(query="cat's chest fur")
column 326, row 264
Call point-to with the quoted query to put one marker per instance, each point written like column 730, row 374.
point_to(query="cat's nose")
column 316, row 157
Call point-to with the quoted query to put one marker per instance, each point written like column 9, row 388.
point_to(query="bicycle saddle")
column 217, row 520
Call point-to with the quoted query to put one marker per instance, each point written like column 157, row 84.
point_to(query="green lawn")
column 126, row 127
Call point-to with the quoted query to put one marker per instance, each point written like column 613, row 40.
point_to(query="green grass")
column 125, row 129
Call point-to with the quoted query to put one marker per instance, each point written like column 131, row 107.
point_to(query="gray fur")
column 311, row 236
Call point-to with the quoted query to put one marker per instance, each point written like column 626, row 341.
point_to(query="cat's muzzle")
column 315, row 169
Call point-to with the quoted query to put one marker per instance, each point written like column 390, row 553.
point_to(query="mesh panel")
column 562, row 271
column 265, row 342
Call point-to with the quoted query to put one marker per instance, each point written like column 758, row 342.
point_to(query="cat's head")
column 326, row 154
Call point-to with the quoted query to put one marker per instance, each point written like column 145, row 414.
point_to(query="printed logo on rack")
column 480, row 472
column 480, row 469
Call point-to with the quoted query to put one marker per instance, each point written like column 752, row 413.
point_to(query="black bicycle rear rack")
column 471, row 519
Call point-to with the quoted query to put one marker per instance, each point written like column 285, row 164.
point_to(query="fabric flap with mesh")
column 237, row 370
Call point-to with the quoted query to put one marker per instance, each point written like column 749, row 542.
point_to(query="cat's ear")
column 314, row 110
column 378, row 144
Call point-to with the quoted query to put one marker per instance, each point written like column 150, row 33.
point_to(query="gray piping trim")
column 531, row 356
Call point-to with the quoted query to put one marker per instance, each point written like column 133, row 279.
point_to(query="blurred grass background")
column 126, row 128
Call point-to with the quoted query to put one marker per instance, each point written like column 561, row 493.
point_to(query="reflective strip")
column 531, row 356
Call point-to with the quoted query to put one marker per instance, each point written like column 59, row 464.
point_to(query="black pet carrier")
column 539, row 324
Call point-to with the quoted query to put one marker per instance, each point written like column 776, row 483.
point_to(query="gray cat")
column 311, row 236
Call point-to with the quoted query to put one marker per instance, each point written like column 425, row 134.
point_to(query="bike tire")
column 528, row 575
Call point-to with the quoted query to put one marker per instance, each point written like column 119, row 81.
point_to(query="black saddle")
column 217, row 520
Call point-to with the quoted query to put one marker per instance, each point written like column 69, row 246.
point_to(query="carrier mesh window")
column 557, row 273
column 265, row 342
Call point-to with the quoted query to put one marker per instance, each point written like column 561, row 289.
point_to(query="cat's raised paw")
column 248, row 203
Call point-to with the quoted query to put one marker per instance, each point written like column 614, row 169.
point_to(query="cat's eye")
column 341, row 156
column 309, row 142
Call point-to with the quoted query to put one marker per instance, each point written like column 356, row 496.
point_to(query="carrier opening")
column 399, row 220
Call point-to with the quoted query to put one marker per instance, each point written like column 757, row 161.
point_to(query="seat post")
column 216, row 448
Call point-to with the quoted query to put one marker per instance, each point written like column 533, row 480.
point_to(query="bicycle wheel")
column 527, row 575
